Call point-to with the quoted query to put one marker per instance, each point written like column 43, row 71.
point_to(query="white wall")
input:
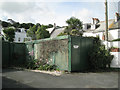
column 112, row 34
column 112, row 44
column 116, row 60
column 21, row 35
column 100, row 34
column 87, row 34
column 18, row 35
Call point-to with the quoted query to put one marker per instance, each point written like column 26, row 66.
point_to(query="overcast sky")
column 49, row 12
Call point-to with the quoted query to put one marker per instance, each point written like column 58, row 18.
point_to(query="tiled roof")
column 111, row 25
column 101, row 24
column 56, row 32
column 50, row 29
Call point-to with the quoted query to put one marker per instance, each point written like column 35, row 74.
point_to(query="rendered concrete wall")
column 112, row 34
column 116, row 60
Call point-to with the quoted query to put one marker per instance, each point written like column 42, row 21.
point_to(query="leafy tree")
column 42, row 32
column 38, row 25
column 30, row 25
column 5, row 24
column 26, row 25
column 9, row 34
column 31, row 32
column 50, row 26
column 73, row 28
column 74, row 23
column 16, row 25
column 62, row 34
column 75, row 32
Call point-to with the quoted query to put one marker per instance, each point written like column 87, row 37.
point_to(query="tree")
column 99, row 57
column 16, row 25
column 9, row 34
column 5, row 24
column 74, row 23
column 42, row 32
column 26, row 25
column 74, row 27
column 30, row 25
column 31, row 32
column 38, row 32
column 75, row 32
column 50, row 26
column 38, row 25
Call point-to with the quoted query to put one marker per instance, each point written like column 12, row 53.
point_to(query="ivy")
column 53, row 46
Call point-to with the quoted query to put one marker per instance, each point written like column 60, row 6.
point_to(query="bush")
column 40, row 65
column 99, row 57
column 9, row 34
column 116, row 39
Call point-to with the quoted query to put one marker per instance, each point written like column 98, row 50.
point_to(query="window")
column 19, row 39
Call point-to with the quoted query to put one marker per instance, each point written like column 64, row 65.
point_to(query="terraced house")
column 97, row 28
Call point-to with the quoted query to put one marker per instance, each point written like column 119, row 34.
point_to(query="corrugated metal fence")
column 13, row 54
column 67, row 52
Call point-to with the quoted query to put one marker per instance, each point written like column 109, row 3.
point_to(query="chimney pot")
column 117, row 17
column 95, row 20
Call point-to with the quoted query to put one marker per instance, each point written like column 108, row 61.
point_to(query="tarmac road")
column 12, row 78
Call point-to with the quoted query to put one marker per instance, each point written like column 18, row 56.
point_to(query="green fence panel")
column 67, row 52
column 5, row 53
column 72, row 57
column 18, row 53
column 13, row 54
column 79, row 57
column 0, row 54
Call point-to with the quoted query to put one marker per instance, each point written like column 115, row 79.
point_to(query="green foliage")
column 50, row 26
column 75, row 32
column 99, row 57
column 9, row 34
column 116, row 39
column 51, row 47
column 73, row 28
column 25, row 25
column 38, row 32
column 42, row 33
column 40, row 65
column 5, row 24
column 31, row 32
column 74, row 23
column 62, row 34
column 16, row 25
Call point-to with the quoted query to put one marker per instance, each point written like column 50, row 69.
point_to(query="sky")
column 50, row 12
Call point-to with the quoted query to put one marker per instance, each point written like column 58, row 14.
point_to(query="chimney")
column 95, row 20
column 117, row 17
column 85, row 26
column 54, row 25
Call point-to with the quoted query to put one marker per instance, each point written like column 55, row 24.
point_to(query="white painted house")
column 20, row 34
column 97, row 28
